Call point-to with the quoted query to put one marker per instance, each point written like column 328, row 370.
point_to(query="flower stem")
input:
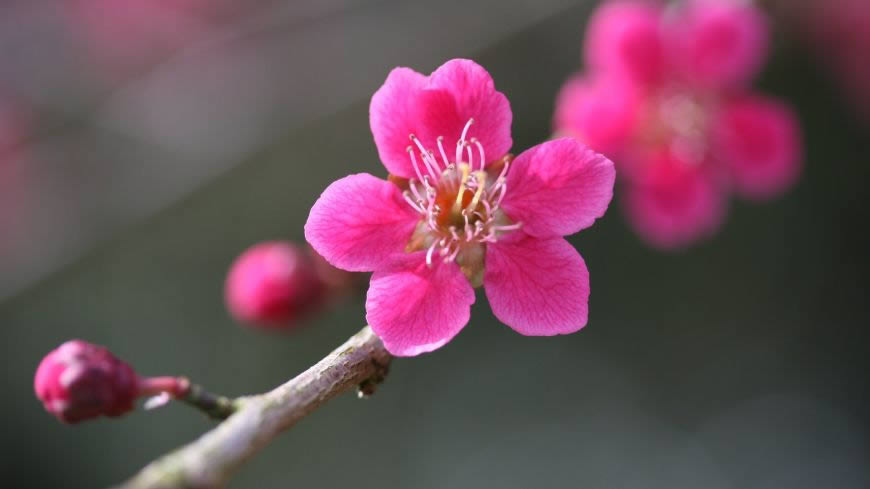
column 214, row 405
column 362, row 361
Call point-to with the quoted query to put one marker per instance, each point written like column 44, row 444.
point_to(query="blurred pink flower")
column 450, row 218
column 272, row 284
column 665, row 95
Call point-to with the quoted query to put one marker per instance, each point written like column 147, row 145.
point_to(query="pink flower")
column 272, row 284
column 665, row 97
column 459, row 213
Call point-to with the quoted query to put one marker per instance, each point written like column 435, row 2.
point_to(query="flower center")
column 679, row 121
column 458, row 201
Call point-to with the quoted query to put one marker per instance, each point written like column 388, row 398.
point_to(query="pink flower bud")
column 272, row 284
column 79, row 380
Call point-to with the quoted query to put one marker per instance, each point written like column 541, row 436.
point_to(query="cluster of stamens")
column 457, row 199
column 686, row 121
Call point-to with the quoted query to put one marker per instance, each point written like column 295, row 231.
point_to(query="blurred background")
column 145, row 144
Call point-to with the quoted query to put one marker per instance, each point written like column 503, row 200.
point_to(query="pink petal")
column 360, row 223
column 675, row 205
column 558, row 188
column 415, row 308
column 760, row 140
column 476, row 97
column 438, row 105
column 599, row 111
column 538, row 287
column 393, row 116
column 719, row 43
column 624, row 38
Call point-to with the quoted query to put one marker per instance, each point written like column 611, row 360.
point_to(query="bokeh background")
column 143, row 145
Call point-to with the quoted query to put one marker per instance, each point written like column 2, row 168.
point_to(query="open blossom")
column 459, row 212
column 665, row 94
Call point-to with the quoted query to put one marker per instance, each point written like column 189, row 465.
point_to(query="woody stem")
column 208, row 462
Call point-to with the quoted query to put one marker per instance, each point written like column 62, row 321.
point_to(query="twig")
column 208, row 462
column 214, row 405
column 165, row 389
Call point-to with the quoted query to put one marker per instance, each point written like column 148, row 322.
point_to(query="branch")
column 208, row 462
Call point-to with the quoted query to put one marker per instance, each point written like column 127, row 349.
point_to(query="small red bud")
column 272, row 284
column 79, row 381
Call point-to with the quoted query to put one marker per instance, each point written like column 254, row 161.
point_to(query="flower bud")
column 79, row 381
column 272, row 284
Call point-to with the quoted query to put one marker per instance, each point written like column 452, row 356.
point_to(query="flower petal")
column 438, row 105
column 718, row 43
column 538, row 287
column 599, row 111
column 393, row 116
column 760, row 141
column 675, row 204
column 360, row 223
column 415, row 308
column 558, row 188
column 475, row 97
column 623, row 38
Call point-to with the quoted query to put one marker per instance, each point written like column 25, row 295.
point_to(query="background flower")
column 666, row 95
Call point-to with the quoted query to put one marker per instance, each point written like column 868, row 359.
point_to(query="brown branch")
column 208, row 462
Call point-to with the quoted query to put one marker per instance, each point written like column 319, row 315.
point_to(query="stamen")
column 435, row 161
column 440, row 141
column 460, row 145
column 470, row 157
column 481, row 181
column 504, row 171
column 410, row 151
column 508, row 227
column 476, row 142
column 452, row 255
column 414, row 204
column 486, row 206
column 424, row 155
column 465, row 130
column 429, row 253
column 502, row 187
column 413, row 187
